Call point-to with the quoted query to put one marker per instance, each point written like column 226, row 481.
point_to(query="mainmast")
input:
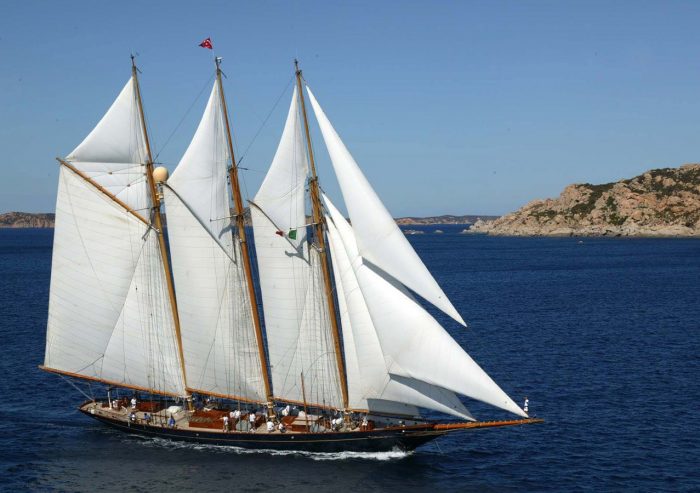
column 320, row 226
column 240, row 223
column 158, row 222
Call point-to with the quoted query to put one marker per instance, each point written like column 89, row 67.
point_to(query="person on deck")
column 132, row 417
column 133, row 403
column 251, row 420
column 171, row 422
column 147, row 418
column 270, row 426
column 364, row 424
column 226, row 424
column 281, row 427
column 236, row 414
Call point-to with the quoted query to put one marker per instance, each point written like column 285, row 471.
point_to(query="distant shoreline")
column 16, row 220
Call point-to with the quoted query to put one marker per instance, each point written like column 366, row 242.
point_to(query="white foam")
column 395, row 454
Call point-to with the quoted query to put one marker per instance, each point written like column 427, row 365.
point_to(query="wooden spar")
column 303, row 395
column 486, row 424
column 240, row 223
column 159, row 224
column 107, row 382
column 103, row 190
column 320, row 226
column 224, row 396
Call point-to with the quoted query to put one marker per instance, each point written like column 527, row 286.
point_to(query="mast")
column 240, row 223
column 320, row 226
column 158, row 223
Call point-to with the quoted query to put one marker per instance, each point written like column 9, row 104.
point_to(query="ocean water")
column 603, row 336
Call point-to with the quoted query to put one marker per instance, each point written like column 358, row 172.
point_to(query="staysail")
column 110, row 317
column 221, row 352
column 412, row 343
column 379, row 240
column 296, row 316
column 369, row 379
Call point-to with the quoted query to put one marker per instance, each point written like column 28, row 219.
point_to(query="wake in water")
column 227, row 449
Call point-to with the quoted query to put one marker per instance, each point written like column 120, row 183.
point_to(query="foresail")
column 379, row 239
column 216, row 321
column 114, row 153
column 296, row 315
column 369, row 380
column 109, row 312
column 412, row 344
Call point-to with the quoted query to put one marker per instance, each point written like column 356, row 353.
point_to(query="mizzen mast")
column 245, row 253
column 157, row 221
column 320, row 226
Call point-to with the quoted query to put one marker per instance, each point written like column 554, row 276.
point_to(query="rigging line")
column 184, row 117
column 76, row 387
column 274, row 107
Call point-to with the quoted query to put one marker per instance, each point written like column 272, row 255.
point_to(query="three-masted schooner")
column 346, row 356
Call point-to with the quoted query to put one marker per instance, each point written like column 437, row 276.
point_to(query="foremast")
column 239, row 217
column 158, row 223
column 319, row 223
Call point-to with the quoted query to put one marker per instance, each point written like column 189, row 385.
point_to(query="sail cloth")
column 369, row 383
column 216, row 321
column 297, row 322
column 109, row 312
column 114, row 153
column 417, row 351
column 379, row 239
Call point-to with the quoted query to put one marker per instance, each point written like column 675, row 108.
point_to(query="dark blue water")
column 603, row 336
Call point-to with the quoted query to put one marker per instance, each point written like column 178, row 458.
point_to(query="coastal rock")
column 26, row 220
column 660, row 202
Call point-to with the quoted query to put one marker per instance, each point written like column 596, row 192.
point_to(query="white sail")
column 369, row 381
column 114, row 154
column 297, row 323
column 412, row 342
column 378, row 237
column 216, row 321
column 109, row 311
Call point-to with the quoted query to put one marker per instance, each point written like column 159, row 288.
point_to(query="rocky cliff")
column 660, row 202
column 26, row 220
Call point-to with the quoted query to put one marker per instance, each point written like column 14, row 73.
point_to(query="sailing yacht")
column 342, row 355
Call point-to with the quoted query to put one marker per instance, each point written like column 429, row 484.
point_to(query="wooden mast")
column 159, row 224
column 240, row 223
column 320, row 226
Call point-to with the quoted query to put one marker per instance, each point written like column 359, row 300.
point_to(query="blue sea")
column 602, row 335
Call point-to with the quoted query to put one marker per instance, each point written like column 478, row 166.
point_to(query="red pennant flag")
column 207, row 44
column 279, row 233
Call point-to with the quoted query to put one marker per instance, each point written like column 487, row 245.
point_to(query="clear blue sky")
column 449, row 107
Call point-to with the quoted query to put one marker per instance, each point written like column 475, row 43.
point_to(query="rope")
column 184, row 117
column 76, row 387
column 274, row 107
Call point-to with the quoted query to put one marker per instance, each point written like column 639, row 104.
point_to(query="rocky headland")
column 445, row 219
column 660, row 202
column 26, row 220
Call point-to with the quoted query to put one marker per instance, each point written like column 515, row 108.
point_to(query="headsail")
column 378, row 237
column 296, row 316
column 369, row 379
column 413, row 344
column 221, row 352
column 110, row 317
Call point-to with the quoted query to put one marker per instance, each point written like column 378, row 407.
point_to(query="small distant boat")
column 346, row 357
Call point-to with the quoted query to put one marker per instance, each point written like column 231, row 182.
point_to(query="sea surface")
column 602, row 335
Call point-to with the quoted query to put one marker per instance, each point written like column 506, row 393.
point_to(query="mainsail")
column 296, row 317
column 110, row 317
column 221, row 352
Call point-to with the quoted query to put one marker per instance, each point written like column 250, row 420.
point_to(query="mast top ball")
column 160, row 174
